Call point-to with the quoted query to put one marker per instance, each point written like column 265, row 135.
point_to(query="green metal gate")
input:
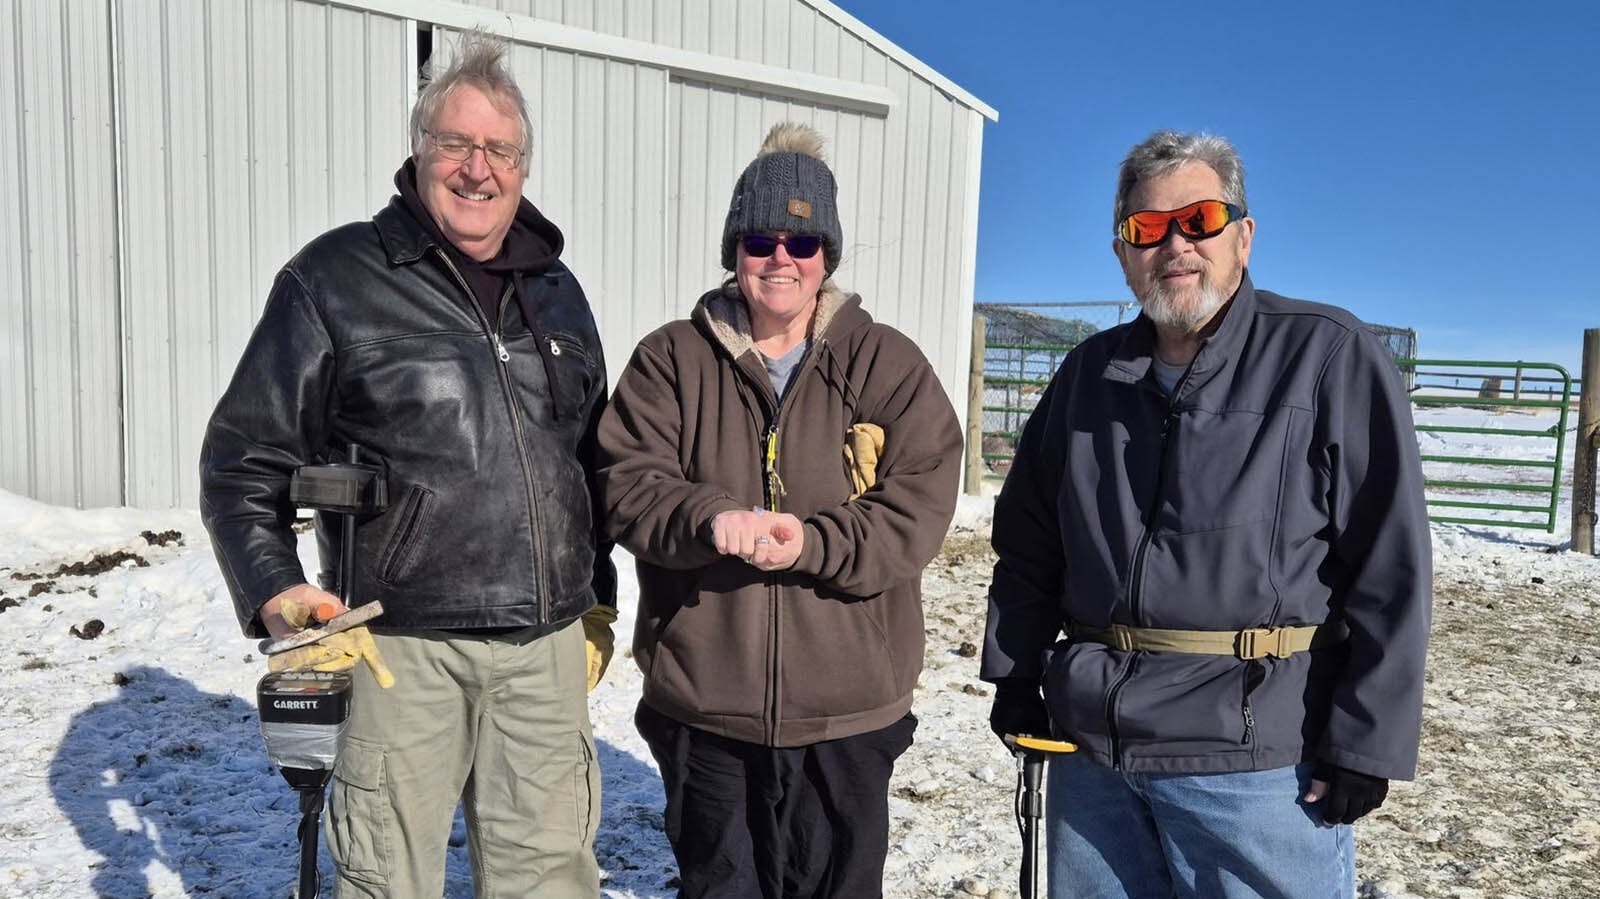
column 1528, row 484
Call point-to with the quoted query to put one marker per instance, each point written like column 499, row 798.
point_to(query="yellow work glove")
column 597, row 641
column 335, row 652
column 862, row 447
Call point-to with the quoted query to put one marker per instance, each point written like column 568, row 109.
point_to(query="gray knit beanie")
column 787, row 187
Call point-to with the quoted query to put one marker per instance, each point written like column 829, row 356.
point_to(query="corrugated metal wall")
column 903, row 179
column 247, row 128
column 60, row 429
column 598, row 172
column 243, row 129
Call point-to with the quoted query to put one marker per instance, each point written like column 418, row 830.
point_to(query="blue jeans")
column 1115, row 835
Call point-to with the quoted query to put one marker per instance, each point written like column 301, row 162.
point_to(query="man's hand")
column 1018, row 708
column 1345, row 795
column 335, row 652
column 297, row 608
column 771, row 541
column 598, row 642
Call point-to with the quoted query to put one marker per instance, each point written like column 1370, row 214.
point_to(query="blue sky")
column 1410, row 160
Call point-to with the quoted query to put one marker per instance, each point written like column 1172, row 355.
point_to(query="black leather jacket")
column 371, row 336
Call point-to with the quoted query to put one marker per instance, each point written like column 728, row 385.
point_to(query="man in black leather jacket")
column 445, row 339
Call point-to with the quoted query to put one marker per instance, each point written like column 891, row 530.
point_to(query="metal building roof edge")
column 871, row 98
column 901, row 55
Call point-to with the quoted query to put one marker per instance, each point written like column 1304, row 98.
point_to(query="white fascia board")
column 869, row 98
column 899, row 54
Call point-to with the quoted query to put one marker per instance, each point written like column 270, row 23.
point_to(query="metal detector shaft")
column 310, row 816
column 1031, row 753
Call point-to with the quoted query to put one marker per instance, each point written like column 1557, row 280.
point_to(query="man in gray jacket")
column 1218, row 510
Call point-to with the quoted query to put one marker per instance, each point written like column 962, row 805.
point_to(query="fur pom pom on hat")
column 787, row 187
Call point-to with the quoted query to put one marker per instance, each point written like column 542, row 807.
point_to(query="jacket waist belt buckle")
column 1259, row 642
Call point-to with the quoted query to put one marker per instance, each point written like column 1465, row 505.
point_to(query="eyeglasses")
column 800, row 246
column 458, row 148
column 1197, row 221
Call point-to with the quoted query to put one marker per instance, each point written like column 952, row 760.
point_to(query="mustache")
column 1183, row 265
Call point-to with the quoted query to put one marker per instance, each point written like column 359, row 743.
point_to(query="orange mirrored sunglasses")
column 1197, row 221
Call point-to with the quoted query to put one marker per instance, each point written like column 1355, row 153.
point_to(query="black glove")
column 1018, row 708
column 1351, row 794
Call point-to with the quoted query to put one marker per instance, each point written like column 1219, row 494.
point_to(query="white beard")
column 1180, row 310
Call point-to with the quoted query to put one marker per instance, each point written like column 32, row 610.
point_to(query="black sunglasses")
column 800, row 246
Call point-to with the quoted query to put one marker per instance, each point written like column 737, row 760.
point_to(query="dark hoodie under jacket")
column 832, row 647
column 484, row 429
column 1280, row 485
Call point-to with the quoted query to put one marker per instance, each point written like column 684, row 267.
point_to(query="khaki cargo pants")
column 500, row 724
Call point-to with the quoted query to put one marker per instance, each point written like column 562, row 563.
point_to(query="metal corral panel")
column 246, row 130
column 59, row 424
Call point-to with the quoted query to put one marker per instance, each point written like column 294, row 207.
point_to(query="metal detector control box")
column 303, row 715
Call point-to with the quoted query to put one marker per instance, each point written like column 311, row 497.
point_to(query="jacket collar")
column 404, row 238
column 1131, row 359
column 722, row 313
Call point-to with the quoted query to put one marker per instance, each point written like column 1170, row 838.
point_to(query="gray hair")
column 480, row 62
column 1164, row 151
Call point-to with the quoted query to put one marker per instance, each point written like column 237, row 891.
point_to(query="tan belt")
column 1250, row 643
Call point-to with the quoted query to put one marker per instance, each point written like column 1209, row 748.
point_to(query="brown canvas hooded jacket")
column 833, row 646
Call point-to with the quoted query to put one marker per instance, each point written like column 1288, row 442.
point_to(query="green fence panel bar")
column 1492, row 375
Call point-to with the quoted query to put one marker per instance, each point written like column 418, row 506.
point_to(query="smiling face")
column 472, row 204
column 1181, row 283
column 780, row 290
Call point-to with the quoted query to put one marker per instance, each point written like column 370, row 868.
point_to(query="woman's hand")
column 771, row 541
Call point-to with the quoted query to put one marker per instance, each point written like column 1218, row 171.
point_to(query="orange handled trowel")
column 354, row 618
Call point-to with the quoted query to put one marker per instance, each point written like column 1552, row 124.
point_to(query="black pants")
column 746, row 820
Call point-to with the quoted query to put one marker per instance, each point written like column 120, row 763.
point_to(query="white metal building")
column 162, row 159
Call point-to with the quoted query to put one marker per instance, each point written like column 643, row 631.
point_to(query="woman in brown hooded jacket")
column 782, row 468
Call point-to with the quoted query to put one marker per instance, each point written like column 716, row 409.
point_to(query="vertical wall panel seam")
column 26, row 437
column 289, row 135
column 74, row 288
column 213, row 281
column 330, row 204
column 252, row 154
column 669, row 137
column 173, row 345
column 119, row 215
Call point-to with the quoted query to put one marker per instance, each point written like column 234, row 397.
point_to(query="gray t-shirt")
column 1167, row 374
column 781, row 369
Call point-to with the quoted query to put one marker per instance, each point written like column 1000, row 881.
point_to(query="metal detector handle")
column 349, row 489
column 1030, row 752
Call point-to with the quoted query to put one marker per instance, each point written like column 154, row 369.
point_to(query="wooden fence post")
column 975, row 408
column 1587, row 439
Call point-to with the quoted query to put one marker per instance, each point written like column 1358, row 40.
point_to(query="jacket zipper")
column 1136, row 570
column 772, row 493
column 535, row 533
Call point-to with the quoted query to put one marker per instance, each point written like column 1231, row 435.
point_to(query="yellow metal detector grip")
column 1024, row 742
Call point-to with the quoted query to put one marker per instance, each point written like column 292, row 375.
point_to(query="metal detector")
column 1031, row 753
column 303, row 713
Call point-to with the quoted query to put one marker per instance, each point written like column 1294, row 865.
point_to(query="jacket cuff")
column 811, row 556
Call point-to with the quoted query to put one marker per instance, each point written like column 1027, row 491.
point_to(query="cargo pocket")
column 359, row 814
column 586, row 790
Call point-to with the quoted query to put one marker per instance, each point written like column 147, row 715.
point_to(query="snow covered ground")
column 131, row 763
